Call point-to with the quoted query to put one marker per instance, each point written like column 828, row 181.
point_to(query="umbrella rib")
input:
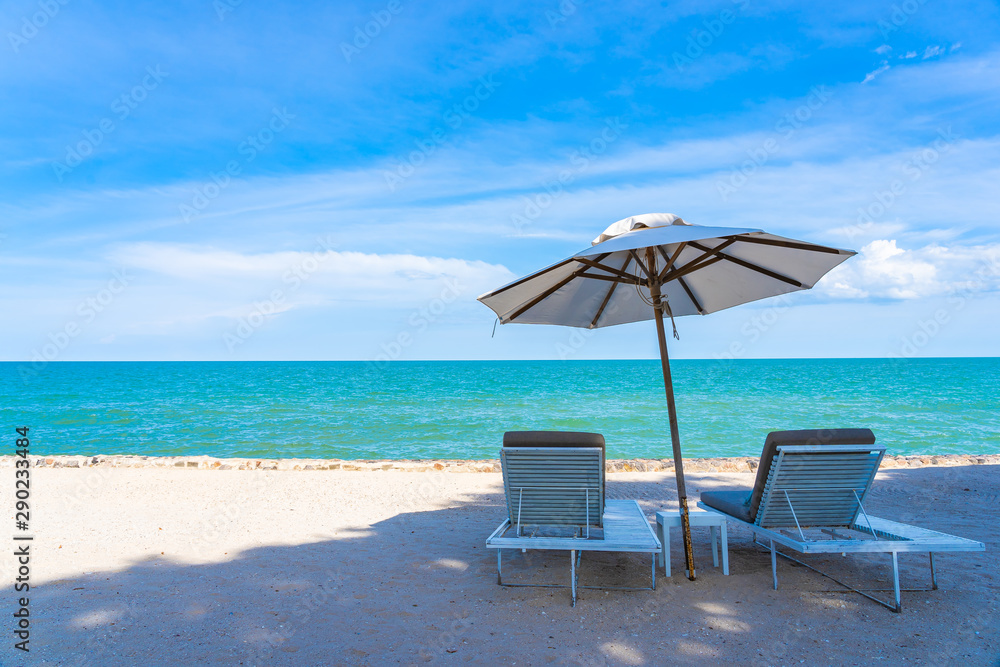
column 699, row 263
column 789, row 244
column 611, row 279
column 635, row 256
column 670, row 260
column 603, row 267
column 550, row 291
column 541, row 297
column 607, row 297
column 527, row 278
column 708, row 257
column 749, row 265
column 701, row 311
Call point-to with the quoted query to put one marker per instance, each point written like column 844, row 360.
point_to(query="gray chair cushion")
column 734, row 502
column 743, row 503
column 552, row 439
column 832, row 436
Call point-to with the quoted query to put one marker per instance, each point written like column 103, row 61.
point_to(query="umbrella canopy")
column 646, row 266
column 700, row 270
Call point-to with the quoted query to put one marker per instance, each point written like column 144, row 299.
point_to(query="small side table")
column 698, row 517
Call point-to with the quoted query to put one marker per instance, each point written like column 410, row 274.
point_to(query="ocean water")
column 446, row 409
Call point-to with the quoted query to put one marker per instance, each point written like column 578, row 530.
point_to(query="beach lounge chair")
column 809, row 496
column 554, row 488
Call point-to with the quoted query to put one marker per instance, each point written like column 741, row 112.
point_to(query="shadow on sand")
column 420, row 587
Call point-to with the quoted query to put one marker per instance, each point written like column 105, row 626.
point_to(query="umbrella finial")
column 644, row 221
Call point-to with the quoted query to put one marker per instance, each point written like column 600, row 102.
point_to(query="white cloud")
column 885, row 48
column 884, row 270
column 874, row 73
column 932, row 51
column 223, row 279
column 198, row 262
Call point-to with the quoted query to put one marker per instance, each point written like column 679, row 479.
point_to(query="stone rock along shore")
column 734, row 464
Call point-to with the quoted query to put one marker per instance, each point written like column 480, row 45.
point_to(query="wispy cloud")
column 875, row 72
column 932, row 51
column 363, row 276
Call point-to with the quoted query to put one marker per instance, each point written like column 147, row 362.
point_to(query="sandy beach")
column 150, row 566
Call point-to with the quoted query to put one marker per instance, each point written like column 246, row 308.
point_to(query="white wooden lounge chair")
column 809, row 496
column 554, row 487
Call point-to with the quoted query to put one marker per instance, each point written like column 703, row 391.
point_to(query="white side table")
column 698, row 517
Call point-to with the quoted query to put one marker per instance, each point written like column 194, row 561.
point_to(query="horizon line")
column 410, row 361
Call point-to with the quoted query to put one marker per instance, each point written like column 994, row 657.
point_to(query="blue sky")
column 244, row 180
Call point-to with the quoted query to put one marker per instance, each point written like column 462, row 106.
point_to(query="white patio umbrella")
column 651, row 265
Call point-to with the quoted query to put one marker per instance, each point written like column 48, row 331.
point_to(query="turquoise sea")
column 455, row 409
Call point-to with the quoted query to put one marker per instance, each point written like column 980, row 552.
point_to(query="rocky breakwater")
column 732, row 464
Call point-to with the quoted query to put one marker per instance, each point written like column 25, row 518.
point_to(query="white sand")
column 169, row 567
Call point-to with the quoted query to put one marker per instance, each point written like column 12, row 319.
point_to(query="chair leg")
column 715, row 544
column 654, row 572
column 933, row 573
column 725, row 550
column 665, row 543
column 895, row 581
column 659, row 536
column 774, row 566
column 572, row 576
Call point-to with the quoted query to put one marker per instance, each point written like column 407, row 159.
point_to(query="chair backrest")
column 556, row 439
column 810, row 437
column 818, row 485
column 554, row 486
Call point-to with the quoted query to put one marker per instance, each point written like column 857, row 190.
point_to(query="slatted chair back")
column 554, row 486
column 818, row 485
column 557, row 439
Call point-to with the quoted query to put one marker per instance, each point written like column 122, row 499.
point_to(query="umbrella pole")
column 675, row 436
